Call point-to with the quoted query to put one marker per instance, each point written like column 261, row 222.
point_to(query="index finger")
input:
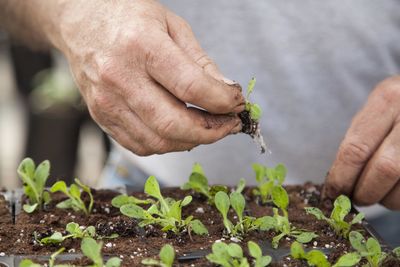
column 366, row 133
column 180, row 75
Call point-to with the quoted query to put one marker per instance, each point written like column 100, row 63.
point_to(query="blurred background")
column 42, row 116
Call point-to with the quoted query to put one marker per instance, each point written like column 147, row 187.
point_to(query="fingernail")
column 228, row 81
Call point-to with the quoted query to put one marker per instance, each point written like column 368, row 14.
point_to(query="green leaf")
column 280, row 173
column 234, row 250
column 114, row 262
column 41, row 174
column 359, row 217
column 254, row 250
column 91, row 249
column 186, row 201
column 305, row 237
column 222, row 203
column 373, row 246
column 30, row 208
column 280, row 197
column 133, row 211
column 121, row 200
column 238, row 203
column 357, row 241
column 73, row 228
column 151, row 262
column 59, row 186
column 259, row 171
column 263, row 261
column 55, row 238
column 396, row 252
column 152, row 188
column 241, row 185
column 255, row 112
column 348, row 260
column 28, row 263
column 46, row 197
column 197, row 168
column 75, row 191
column 198, row 227
column 297, row 251
column 250, row 87
column 342, row 206
column 86, row 189
column 317, row 258
column 316, row 212
column 167, row 255
column 266, row 223
column 66, row 204
column 54, row 256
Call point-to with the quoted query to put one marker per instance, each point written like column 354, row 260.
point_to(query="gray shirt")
column 315, row 64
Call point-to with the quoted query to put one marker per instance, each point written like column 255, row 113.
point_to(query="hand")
column 367, row 165
column 137, row 64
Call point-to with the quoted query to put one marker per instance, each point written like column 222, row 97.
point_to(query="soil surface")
column 135, row 243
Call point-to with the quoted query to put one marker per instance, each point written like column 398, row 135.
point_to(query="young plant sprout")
column 244, row 224
column 30, row 263
column 123, row 199
column 369, row 249
column 166, row 212
column 34, row 181
column 198, row 182
column 74, row 231
column 267, row 179
column 231, row 255
column 250, row 118
column 167, row 257
column 341, row 209
column 91, row 249
column 317, row 258
column 281, row 224
column 74, row 193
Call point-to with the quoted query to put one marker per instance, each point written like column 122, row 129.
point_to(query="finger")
column 381, row 173
column 367, row 131
column 113, row 115
column 181, row 32
column 179, row 74
column 172, row 119
column 392, row 200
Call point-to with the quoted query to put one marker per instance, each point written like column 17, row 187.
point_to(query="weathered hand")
column 367, row 165
column 137, row 64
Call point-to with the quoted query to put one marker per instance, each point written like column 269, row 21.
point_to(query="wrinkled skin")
column 137, row 64
column 367, row 165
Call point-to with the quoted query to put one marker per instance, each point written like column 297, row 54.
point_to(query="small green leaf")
column 55, row 238
column 121, row 200
column 152, row 188
column 114, row 262
column 222, row 203
column 280, row 197
column 254, row 249
column 373, row 246
column 396, row 252
column 66, row 204
column 358, row 218
column 255, row 112
column 316, row 212
column 348, row 260
column 280, row 173
column 305, row 237
column 250, row 86
column 151, row 262
column 198, row 227
column 357, row 241
column 133, row 211
column 263, row 261
column 92, row 250
column 266, row 223
column 197, row 168
column 28, row 263
column 30, row 208
column 341, row 207
column 46, row 197
column 317, row 258
column 297, row 251
column 234, row 250
column 59, row 186
column 238, row 203
column 186, row 201
column 73, row 228
column 167, row 255
column 42, row 173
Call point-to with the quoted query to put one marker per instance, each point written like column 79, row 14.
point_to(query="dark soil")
column 135, row 243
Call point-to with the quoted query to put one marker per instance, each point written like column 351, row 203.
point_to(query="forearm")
column 32, row 22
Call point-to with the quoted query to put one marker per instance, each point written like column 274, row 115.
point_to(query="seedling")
column 74, row 193
column 256, row 252
column 91, row 249
column 244, row 224
column 198, row 182
column 30, row 263
column 317, row 258
column 369, row 249
column 227, row 255
column 231, row 255
column 34, row 180
column 254, row 109
column 267, row 179
column 281, row 224
column 167, row 257
column 341, row 209
column 167, row 212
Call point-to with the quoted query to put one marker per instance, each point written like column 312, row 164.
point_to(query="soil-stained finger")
column 170, row 66
column 381, row 173
column 366, row 133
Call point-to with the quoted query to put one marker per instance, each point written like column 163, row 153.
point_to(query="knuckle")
column 107, row 73
column 355, row 153
column 166, row 127
column 100, row 102
column 387, row 167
